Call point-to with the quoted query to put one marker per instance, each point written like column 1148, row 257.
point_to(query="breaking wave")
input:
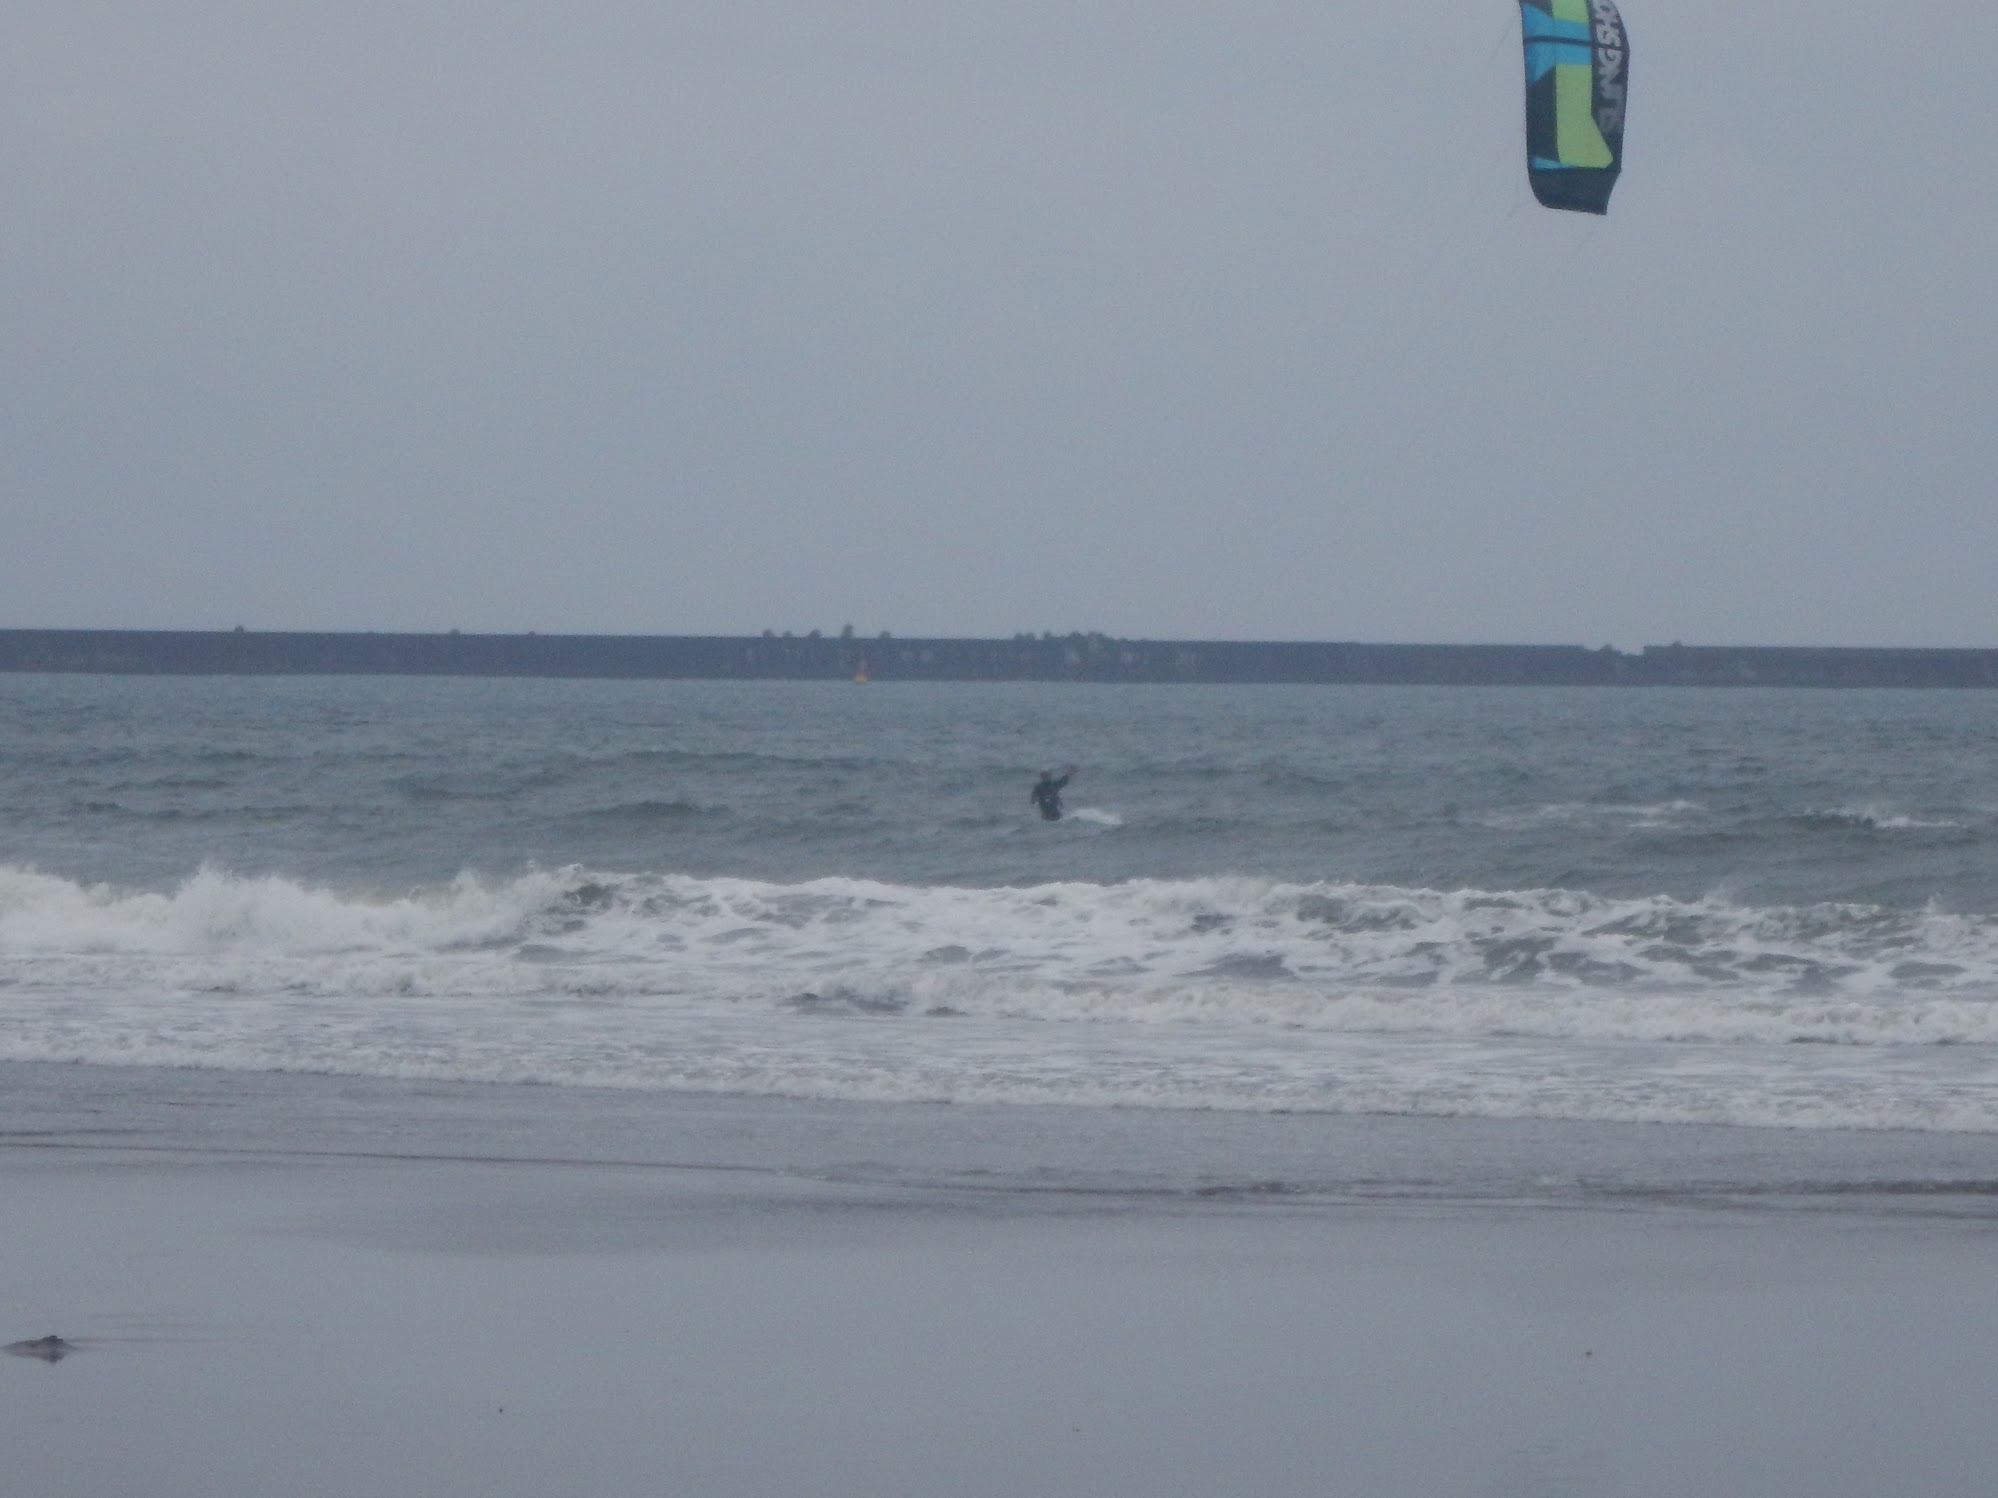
column 1202, row 992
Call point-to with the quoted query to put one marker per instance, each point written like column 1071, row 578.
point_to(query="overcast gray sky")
column 1161, row 318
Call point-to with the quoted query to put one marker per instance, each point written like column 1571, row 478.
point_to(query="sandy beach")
column 300, row 1285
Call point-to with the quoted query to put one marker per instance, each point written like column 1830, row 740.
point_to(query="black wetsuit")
column 1046, row 794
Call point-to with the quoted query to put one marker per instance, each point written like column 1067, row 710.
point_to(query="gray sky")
column 1164, row 319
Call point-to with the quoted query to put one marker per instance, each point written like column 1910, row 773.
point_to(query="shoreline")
column 307, row 1285
column 992, row 1152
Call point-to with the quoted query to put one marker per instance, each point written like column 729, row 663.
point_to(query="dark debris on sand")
column 50, row 1349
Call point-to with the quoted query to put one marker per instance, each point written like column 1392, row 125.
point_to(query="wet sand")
column 381, row 1298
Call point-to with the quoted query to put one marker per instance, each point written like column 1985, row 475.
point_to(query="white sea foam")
column 1876, row 818
column 1207, row 993
column 1647, row 816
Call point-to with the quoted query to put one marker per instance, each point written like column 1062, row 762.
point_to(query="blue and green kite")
column 1577, row 73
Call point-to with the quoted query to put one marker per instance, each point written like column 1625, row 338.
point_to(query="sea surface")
column 1774, row 910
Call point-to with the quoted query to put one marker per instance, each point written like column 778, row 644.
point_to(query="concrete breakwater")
column 1046, row 657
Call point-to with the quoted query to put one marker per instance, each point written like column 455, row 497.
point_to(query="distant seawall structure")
column 1072, row 657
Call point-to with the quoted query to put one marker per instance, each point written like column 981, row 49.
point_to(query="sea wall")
column 1073, row 657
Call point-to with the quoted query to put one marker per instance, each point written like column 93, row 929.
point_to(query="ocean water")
column 1768, row 909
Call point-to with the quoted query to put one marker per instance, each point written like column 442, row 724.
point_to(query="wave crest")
column 1238, row 993
column 1264, row 950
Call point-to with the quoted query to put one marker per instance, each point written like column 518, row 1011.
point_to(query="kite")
column 1577, row 73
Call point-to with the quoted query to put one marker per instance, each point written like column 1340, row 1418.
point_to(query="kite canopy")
column 1577, row 70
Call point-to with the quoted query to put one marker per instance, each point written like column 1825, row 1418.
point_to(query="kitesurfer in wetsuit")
column 1046, row 793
